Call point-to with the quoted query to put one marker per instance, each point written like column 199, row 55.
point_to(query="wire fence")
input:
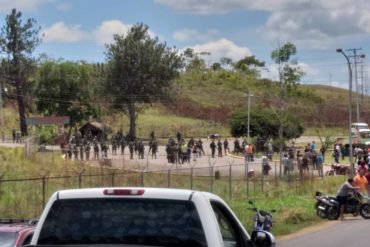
column 26, row 197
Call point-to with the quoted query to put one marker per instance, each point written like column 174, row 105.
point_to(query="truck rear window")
column 123, row 221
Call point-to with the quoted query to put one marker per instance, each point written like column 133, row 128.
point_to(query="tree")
column 140, row 71
column 18, row 41
column 265, row 124
column 194, row 60
column 249, row 64
column 226, row 62
column 66, row 88
column 289, row 71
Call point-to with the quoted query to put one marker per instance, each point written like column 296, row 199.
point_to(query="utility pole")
column 355, row 56
column 249, row 95
column 349, row 109
column 362, row 89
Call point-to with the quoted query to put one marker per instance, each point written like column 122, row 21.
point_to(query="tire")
column 365, row 211
column 333, row 213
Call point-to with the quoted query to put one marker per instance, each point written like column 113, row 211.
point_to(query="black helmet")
column 350, row 180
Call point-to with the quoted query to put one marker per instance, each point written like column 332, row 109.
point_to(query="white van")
column 356, row 127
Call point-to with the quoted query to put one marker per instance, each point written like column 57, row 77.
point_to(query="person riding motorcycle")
column 343, row 193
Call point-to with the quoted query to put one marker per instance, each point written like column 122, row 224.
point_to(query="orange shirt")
column 360, row 182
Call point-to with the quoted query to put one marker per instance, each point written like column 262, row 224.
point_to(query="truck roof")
column 133, row 192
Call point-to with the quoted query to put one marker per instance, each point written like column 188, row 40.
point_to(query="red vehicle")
column 15, row 233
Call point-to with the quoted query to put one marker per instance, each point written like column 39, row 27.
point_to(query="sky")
column 79, row 29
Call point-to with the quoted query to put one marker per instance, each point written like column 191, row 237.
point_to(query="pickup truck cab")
column 142, row 217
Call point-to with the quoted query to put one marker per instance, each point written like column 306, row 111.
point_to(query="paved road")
column 351, row 232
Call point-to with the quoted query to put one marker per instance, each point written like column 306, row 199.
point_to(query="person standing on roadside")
column 360, row 181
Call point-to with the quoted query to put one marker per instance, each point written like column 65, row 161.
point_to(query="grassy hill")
column 206, row 98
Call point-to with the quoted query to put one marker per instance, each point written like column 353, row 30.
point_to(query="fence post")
column 275, row 172
column 191, row 177
column 113, row 175
column 247, row 169
column 44, row 189
column 1, row 178
column 169, row 178
column 142, row 178
column 79, row 173
column 211, row 175
column 230, row 181
column 262, row 181
column 43, row 192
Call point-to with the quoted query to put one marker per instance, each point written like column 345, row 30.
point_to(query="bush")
column 46, row 135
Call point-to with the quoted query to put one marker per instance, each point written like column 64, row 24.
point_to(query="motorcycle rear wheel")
column 332, row 213
column 365, row 211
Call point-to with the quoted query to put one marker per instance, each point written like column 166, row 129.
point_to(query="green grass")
column 293, row 201
column 165, row 125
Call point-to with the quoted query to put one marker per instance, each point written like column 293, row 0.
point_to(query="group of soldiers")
column 177, row 150
column 79, row 147
column 180, row 152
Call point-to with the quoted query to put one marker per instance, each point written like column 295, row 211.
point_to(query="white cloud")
column 221, row 48
column 272, row 71
column 104, row 33
column 309, row 23
column 194, row 35
column 60, row 32
column 20, row 5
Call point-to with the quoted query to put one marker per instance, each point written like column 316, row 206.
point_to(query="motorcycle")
column 262, row 219
column 327, row 207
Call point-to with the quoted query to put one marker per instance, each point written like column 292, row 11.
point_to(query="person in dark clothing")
column 14, row 134
column 343, row 193
column 213, row 148
column 219, row 148
column 131, row 148
column 226, row 146
column 236, row 146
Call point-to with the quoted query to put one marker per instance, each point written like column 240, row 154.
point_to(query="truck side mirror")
column 263, row 239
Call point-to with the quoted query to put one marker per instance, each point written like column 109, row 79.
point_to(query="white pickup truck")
column 142, row 217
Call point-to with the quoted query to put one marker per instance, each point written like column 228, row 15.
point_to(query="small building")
column 97, row 129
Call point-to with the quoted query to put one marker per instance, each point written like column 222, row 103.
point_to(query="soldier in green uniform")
column 75, row 151
column 81, row 149
column 96, row 150
column 219, row 148
column 131, row 148
column 213, row 148
column 87, row 150
column 123, row 145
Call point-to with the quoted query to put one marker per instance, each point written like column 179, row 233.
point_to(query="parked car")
column 214, row 136
column 356, row 127
column 142, row 217
column 16, row 232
